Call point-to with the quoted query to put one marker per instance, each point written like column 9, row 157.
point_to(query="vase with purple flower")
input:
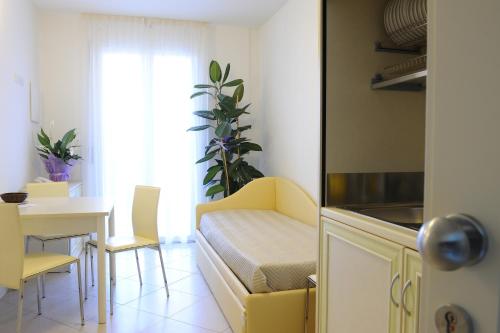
column 58, row 158
column 58, row 170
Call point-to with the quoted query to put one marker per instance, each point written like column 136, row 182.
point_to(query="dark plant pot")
column 58, row 170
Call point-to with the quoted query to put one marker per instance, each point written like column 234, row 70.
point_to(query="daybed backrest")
column 258, row 194
column 293, row 201
column 274, row 193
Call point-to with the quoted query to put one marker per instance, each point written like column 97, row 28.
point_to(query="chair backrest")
column 11, row 247
column 54, row 189
column 145, row 212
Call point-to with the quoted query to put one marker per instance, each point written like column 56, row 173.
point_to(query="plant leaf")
column 207, row 151
column 236, row 142
column 218, row 167
column 204, row 86
column 220, row 97
column 219, row 114
column 226, row 73
column 227, row 104
column 238, row 93
column 246, row 107
column 207, row 157
column 234, row 166
column 244, row 128
column 44, row 139
column 224, row 129
column 199, row 93
column 214, row 190
column 67, row 139
column 235, row 113
column 251, row 146
column 233, row 83
column 215, row 71
column 205, row 114
column 198, row 128
column 244, row 173
column 211, row 173
column 207, row 148
column 254, row 172
column 44, row 135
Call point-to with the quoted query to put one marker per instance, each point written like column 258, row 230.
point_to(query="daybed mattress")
column 266, row 250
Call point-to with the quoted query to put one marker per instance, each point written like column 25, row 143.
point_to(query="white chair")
column 145, row 226
column 17, row 267
column 47, row 190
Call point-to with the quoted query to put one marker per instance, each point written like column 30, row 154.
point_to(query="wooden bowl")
column 14, row 197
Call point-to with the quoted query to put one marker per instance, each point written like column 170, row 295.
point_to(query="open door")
column 463, row 151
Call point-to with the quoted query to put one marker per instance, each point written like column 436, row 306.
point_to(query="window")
column 145, row 111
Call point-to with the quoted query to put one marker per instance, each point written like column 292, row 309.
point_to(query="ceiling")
column 240, row 12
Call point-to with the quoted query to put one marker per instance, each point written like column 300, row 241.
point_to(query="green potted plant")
column 227, row 148
column 58, row 158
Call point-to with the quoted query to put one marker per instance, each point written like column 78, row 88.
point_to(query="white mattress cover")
column 266, row 250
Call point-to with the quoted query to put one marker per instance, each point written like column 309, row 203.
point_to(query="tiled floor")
column 191, row 307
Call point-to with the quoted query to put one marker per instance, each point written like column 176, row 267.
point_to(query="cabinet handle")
column 403, row 296
column 394, row 279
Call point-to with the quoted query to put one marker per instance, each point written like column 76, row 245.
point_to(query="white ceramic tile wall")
column 191, row 307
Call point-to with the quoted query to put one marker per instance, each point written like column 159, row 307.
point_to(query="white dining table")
column 79, row 215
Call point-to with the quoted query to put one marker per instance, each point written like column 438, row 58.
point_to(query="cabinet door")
column 410, row 295
column 360, row 281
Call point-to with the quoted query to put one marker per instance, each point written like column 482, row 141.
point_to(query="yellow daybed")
column 275, row 312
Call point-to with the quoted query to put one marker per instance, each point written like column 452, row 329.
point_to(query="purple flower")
column 227, row 139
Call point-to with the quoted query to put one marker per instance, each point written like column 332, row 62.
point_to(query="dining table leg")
column 101, row 269
column 111, row 233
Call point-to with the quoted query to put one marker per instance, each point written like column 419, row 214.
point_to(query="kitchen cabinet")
column 410, row 293
column 361, row 280
column 366, row 130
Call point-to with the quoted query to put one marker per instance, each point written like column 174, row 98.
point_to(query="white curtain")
column 141, row 76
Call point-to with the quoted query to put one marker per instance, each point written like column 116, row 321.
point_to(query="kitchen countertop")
column 398, row 234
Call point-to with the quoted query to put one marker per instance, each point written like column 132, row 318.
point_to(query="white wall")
column 17, row 68
column 289, row 46
column 235, row 45
column 63, row 66
column 279, row 61
column 62, row 40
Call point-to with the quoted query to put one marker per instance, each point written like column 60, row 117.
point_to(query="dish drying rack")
column 405, row 22
column 409, row 75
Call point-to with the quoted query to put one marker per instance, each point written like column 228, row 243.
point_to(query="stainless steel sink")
column 411, row 217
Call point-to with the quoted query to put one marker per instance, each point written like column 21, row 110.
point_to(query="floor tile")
column 148, row 259
column 158, row 303
column 32, row 323
column 187, row 264
column 204, row 314
column 155, row 276
column 68, row 312
column 124, row 320
column 178, row 251
column 193, row 284
column 173, row 326
column 125, row 290
column 190, row 308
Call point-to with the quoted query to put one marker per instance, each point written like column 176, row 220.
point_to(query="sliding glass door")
column 145, row 111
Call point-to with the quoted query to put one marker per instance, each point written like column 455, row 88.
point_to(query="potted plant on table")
column 59, row 158
column 227, row 148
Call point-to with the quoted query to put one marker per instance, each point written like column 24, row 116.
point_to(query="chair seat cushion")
column 35, row 263
column 120, row 243
column 45, row 238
